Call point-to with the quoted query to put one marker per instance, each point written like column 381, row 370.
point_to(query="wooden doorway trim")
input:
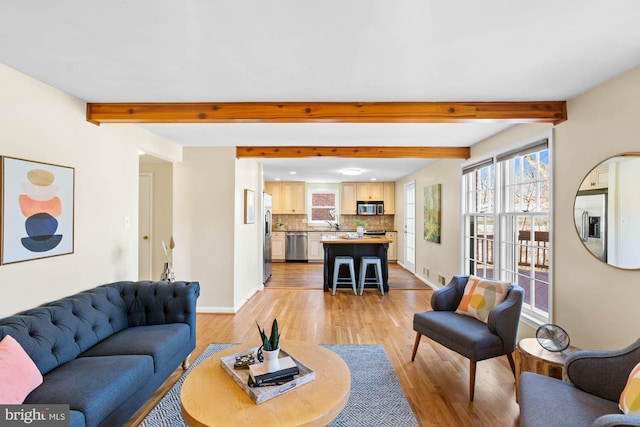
column 328, row 112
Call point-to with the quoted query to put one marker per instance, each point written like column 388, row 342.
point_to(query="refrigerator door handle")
column 584, row 233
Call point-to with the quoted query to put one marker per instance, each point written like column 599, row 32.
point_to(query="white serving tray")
column 262, row 394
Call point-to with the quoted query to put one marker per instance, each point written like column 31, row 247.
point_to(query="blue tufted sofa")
column 106, row 350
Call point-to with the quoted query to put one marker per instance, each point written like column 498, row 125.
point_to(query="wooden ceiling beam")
column 328, row 112
column 356, row 152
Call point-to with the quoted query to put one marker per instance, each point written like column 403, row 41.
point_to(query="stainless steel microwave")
column 370, row 208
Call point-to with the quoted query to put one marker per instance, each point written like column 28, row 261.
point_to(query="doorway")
column 145, row 198
column 410, row 226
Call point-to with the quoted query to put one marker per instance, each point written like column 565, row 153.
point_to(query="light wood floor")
column 436, row 384
column 303, row 275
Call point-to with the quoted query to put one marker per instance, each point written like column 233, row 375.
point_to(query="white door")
column 410, row 226
column 144, row 226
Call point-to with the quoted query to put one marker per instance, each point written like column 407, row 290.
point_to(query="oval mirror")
column 607, row 211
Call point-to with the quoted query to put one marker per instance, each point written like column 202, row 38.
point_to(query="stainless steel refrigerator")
column 590, row 211
column 266, row 207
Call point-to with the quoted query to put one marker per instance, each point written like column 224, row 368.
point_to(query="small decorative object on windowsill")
column 167, row 270
column 269, row 351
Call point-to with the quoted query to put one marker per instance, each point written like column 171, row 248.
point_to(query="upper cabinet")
column 352, row 192
column 389, row 198
column 348, row 198
column 288, row 197
column 369, row 191
column 275, row 189
column 598, row 178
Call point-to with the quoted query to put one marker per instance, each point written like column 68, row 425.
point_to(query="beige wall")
column 595, row 303
column 213, row 245
column 43, row 124
column 439, row 258
column 162, row 212
column 248, row 237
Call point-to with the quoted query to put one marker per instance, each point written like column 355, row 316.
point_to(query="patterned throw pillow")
column 630, row 397
column 481, row 296
column 18, row 372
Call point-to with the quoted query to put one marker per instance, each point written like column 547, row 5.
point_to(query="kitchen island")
column 355, row 248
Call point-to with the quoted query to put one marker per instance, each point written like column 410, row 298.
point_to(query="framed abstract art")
column 37, row 210
column 432, row 212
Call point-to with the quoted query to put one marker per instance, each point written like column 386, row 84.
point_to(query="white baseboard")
column 426, row 282
column 230, row 310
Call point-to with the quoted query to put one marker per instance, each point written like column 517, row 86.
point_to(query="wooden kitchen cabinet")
column 369, row 191
column 315, row 252
column 348, row 198
column 392, row 252
column 597, row 179
column 278, row 240
column 275, row 189
column 287, row 197
column 293, row 198
column 389, row 198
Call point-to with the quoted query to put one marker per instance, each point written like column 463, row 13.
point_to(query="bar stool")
column 365, row 262
column 339, row 261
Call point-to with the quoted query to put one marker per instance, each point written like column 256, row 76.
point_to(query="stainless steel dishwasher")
column 296, row 247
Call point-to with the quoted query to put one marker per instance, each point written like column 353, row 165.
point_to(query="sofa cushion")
column 18, row 372
column 630, row 397
column 95, row 386
column 463, row 334
column 562, row 404
column 481, row 296
column 161, row 342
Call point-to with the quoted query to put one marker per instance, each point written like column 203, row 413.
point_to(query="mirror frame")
column 593, row 222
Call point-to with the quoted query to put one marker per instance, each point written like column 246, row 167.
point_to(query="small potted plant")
column 270, row 347
column 360, row 227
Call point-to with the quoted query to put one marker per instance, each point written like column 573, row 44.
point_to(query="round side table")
column 531, row 357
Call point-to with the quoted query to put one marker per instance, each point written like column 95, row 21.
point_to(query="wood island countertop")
column 359, row 241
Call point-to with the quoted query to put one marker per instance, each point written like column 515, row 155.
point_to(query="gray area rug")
column 376, row 397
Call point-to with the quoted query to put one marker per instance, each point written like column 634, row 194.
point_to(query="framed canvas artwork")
column 37, row 210
column 432, row 201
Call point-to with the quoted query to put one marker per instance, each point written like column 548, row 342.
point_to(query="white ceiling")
column 292, row 50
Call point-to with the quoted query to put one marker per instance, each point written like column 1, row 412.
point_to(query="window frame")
column 322, row 190
column 505, row 267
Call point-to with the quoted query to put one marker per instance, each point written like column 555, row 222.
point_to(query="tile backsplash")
column 347, row 222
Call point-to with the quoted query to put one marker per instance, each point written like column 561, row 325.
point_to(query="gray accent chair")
column 588, row 397
column 466, row 335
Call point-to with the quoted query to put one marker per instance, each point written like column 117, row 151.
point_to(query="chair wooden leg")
column 415, row 346
column 472, row 379
column 512, row 364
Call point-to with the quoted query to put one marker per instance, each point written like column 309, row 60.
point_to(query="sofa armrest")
column 448, row 298
column 504, row 319
column 616, row 420
column 602, row 373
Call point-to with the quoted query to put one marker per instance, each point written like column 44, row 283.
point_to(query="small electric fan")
column 552, row 337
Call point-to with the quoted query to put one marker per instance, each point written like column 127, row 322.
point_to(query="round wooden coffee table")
column 209, row 396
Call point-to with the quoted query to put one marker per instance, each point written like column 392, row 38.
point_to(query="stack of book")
column 288, row 377
column 259, row 377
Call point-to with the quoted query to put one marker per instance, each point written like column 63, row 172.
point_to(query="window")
column 323, row 206
column 512, row 191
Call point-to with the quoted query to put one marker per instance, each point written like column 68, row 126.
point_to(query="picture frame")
column 432, row 213
column 249, row 206
column 37, row 207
